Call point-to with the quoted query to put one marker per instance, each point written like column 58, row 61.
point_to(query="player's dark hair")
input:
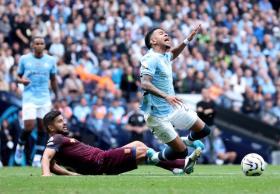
column 49, row 117
column 35, row 37
column 148, row 38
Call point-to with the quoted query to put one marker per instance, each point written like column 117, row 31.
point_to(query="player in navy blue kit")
column 35, row 71
column 80, row 158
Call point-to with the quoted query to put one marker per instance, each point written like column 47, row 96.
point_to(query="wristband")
column 186, row 41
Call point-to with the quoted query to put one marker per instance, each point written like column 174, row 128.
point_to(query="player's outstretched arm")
column 146, row 84
column 177, row 50
column 46, row 161
column 59, row 170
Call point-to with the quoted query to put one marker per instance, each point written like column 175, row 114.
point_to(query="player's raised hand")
column 194, row 32
column 25, row 81
column 173, row 100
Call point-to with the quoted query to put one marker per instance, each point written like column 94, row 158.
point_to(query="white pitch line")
column 196, row 174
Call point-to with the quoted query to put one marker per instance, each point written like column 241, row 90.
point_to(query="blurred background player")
column 88, row 160
column 34, row 72
column 136, row 124
column 206, row 111
column 164, row 111
column 221, row 154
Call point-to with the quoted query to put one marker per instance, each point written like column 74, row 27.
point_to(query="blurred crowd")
column 98, row 44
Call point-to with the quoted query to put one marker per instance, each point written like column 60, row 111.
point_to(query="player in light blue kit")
column 34, row 72
column 164, row 112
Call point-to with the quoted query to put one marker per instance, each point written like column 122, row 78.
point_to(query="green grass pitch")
column 146, row 179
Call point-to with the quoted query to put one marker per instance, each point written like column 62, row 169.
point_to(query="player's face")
column 39, row 45
column 161, row 38
column 60, row 126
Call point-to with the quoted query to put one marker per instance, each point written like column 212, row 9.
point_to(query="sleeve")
column 55, row 142
column 54, row 67
column 148, row 66
column 20, row 70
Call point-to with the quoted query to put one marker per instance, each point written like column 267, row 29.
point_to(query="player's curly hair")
column 148, row 37
column 49, row 118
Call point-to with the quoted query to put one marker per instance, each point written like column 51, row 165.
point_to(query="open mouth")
column 166, row 40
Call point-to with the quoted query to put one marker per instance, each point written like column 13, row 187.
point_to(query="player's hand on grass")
column 47, row 174
column 75, row 174
column 173, row 100
column 25, row 81
column 194, row 32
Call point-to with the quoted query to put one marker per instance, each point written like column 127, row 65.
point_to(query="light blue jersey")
column 38, row 71
column 160, row 68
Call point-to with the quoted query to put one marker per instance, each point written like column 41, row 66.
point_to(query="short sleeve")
column 20, row 69
column 55, row 142
column 148, row 66
column 54, row 67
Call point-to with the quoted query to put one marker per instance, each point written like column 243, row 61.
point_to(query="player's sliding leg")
column 40, row 144
column 176, row 149
column 178, row 166
column 143, row 153
column 181, row 152
column 168, row 165
column 19, row 153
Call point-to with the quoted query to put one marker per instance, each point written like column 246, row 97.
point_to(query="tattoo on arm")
column 146, row 84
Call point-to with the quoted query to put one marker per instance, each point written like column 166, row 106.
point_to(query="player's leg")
column 19, row 153
column 140, row 150
column 143, row 153
column 41, row 135
column 177, row 144
column 29, row 121
column 163, row 129
column 185, row 118
column 198, row 131
column 176, row 149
